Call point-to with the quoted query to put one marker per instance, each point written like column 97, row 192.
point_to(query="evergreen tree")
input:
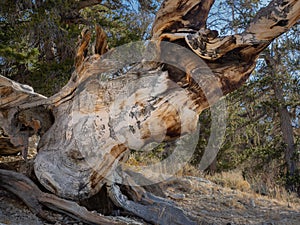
column 38, row 38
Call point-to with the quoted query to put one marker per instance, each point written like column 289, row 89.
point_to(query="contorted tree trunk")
column 133, row 96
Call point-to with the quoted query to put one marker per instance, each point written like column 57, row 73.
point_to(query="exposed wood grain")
column 115, row 130
column 16, row 123
column 177, row 15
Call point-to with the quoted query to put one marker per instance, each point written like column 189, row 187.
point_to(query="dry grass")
column 232, row 179
column 189, row 170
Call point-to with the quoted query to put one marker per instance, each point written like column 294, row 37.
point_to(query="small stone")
column 177, row 196
column 252, row 203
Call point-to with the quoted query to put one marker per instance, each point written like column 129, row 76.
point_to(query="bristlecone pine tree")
column 109, row 107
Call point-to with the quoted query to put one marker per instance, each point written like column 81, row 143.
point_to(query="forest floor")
column 204, row 200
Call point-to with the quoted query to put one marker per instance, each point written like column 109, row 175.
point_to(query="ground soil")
column 205, row 201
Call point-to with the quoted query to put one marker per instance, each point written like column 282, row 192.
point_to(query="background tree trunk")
column 285, row 119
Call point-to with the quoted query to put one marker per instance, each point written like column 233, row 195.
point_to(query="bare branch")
column 274, row 19
column 177, row 15
column 101, row 41
column 269, row 23
column 83, row 48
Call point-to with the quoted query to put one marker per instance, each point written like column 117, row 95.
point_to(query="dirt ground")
column 213, row 204
column 208, row 203
column 205, row 201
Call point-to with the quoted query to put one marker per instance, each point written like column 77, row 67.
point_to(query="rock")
column 176, row 196
column 252, row 203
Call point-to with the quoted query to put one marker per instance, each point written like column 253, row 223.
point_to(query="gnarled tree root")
column 153, row 209
column 35, row 199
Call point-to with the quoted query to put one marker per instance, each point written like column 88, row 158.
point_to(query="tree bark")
column 287, row 131
column 273, row 63
column 91, row 124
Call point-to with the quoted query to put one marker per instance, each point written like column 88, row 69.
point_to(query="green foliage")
column 205, row 124
column 38, row 38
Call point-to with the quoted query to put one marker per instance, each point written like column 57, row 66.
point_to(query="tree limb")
column 177, row 15
column 269, row 23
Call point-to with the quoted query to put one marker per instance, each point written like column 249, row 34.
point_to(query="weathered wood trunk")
column 90, row 125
